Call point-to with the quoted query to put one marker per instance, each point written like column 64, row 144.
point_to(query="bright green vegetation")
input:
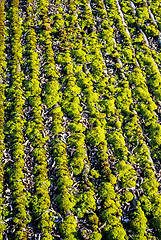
column 80, row 129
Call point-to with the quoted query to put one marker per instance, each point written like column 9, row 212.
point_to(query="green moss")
column 95, row 135
column 69, row 228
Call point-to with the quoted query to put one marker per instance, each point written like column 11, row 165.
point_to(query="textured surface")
column 80, row 132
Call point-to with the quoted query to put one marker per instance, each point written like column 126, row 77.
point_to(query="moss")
column 69, row 228
column 127, row 196
column 95, row 135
